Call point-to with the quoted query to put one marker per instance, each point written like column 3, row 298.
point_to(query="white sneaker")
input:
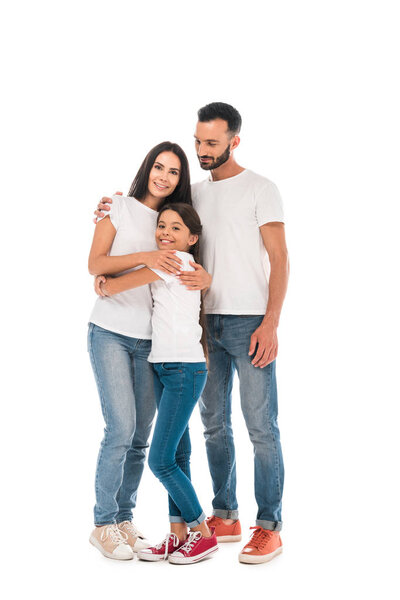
column 135, row 538
column 111, row 542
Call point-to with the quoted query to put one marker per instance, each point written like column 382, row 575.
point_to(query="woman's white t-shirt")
column 129, row 313
column 176, row 328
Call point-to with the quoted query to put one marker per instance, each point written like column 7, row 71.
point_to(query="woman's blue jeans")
column 178, row 387
column 125, row 381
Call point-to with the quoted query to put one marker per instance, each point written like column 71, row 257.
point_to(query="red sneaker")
column 195, row 548
column 161, row 551
column 263, row 546
column 225, row 533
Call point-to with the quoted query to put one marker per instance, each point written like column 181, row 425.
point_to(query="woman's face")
column 164, row 175
column 172, row 233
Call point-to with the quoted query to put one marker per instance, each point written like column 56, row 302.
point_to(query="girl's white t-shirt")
column 129, row 313
column 176, row 311
column 232, row 211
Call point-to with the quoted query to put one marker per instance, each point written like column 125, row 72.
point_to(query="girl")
column 119, row 342
column 178, row 354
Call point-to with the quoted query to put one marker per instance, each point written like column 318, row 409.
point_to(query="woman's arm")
column 100, row 262
column 108, row 286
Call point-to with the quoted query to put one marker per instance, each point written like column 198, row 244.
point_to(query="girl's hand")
column 165, row 260
column 198, row 279
column 99, row 283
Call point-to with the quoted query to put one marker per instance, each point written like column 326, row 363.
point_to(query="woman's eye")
column 157, row 167
column 174, row 172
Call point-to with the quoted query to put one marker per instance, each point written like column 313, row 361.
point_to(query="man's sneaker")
column 161, row 551
column 225, row 533
column 111, row 542
column 196, row 548
column 262, row 547
column 135, row 538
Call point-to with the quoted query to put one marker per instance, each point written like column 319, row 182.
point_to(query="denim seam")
column 228, row 370
column 276, row 459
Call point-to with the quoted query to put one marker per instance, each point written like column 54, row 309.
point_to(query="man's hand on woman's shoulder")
column 103, row 205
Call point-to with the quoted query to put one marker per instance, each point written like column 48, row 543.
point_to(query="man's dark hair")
column 220, row 110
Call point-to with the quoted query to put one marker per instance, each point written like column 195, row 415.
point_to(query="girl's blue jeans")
column 178, row 387
column 125, row 381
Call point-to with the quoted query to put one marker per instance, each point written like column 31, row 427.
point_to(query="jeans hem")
column 102, row 524
column 226, row 514
column 173, row 519
column 271, row 525
column 197, row 521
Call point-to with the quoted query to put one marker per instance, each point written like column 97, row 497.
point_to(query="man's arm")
column 108, row 286
column 273, row 235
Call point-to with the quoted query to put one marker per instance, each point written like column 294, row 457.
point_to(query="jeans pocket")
column 175, row 367
column 199, row 382
column 89, row 336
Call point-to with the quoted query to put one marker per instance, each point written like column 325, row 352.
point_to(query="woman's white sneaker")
column 135, row 538
column 111, row 542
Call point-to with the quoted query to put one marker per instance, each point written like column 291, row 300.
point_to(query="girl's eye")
column 177, row 228
column 161, row 227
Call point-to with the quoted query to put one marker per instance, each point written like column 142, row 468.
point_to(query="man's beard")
column 215, row 162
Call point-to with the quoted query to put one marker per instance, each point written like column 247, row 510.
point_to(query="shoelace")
column 194, row 536
column 169, row 537
column 112, row 531
column 259, row 538
column 132, row 529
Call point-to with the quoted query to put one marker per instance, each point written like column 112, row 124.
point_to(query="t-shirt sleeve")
column 269, row 207
column 164, row 276
column 115, row 211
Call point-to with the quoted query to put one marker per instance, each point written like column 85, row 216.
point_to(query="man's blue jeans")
column 125, row 381
column 228, row 342
column 178, row 388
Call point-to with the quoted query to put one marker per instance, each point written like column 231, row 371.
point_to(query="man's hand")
column 104, row 205
column 99, row 283
column 198, row 279
column 266, row 338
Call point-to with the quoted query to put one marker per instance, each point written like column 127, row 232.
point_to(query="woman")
column 119, row 342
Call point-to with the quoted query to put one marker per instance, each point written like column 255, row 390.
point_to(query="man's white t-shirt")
column 176, row 328
column 232, row 211
column 129, row 313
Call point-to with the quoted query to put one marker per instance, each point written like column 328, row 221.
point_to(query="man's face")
column 213, row 143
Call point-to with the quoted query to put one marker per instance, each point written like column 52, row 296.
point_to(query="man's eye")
column 212, row 145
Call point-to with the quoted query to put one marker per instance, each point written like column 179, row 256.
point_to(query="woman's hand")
column 100, row 283
column 198, row 279
column 164, row 260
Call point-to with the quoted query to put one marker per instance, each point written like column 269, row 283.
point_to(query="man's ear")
column 235, row 142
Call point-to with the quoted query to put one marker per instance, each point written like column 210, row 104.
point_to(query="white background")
column 88, row 89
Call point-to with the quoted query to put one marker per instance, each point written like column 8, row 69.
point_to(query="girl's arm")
column 108, row 286
column 100, row 262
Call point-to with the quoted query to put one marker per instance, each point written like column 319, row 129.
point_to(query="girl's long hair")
column 192, row 221
column 140, row 184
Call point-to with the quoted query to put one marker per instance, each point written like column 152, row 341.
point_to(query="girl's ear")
column 192, row 239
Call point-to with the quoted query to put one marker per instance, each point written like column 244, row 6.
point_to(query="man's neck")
column 229, row 169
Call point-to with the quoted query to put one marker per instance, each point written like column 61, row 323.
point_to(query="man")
column 243, row 242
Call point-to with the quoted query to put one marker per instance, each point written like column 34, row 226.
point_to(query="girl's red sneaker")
column 163, row 550
column 195, row 548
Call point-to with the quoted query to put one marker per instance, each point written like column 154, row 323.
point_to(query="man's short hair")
column 220, row 110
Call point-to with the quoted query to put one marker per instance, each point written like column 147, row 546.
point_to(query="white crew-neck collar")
column 150, row 210
column 211, row 180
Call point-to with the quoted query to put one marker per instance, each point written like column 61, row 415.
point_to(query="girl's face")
column 172, row 233
column 164, row 175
